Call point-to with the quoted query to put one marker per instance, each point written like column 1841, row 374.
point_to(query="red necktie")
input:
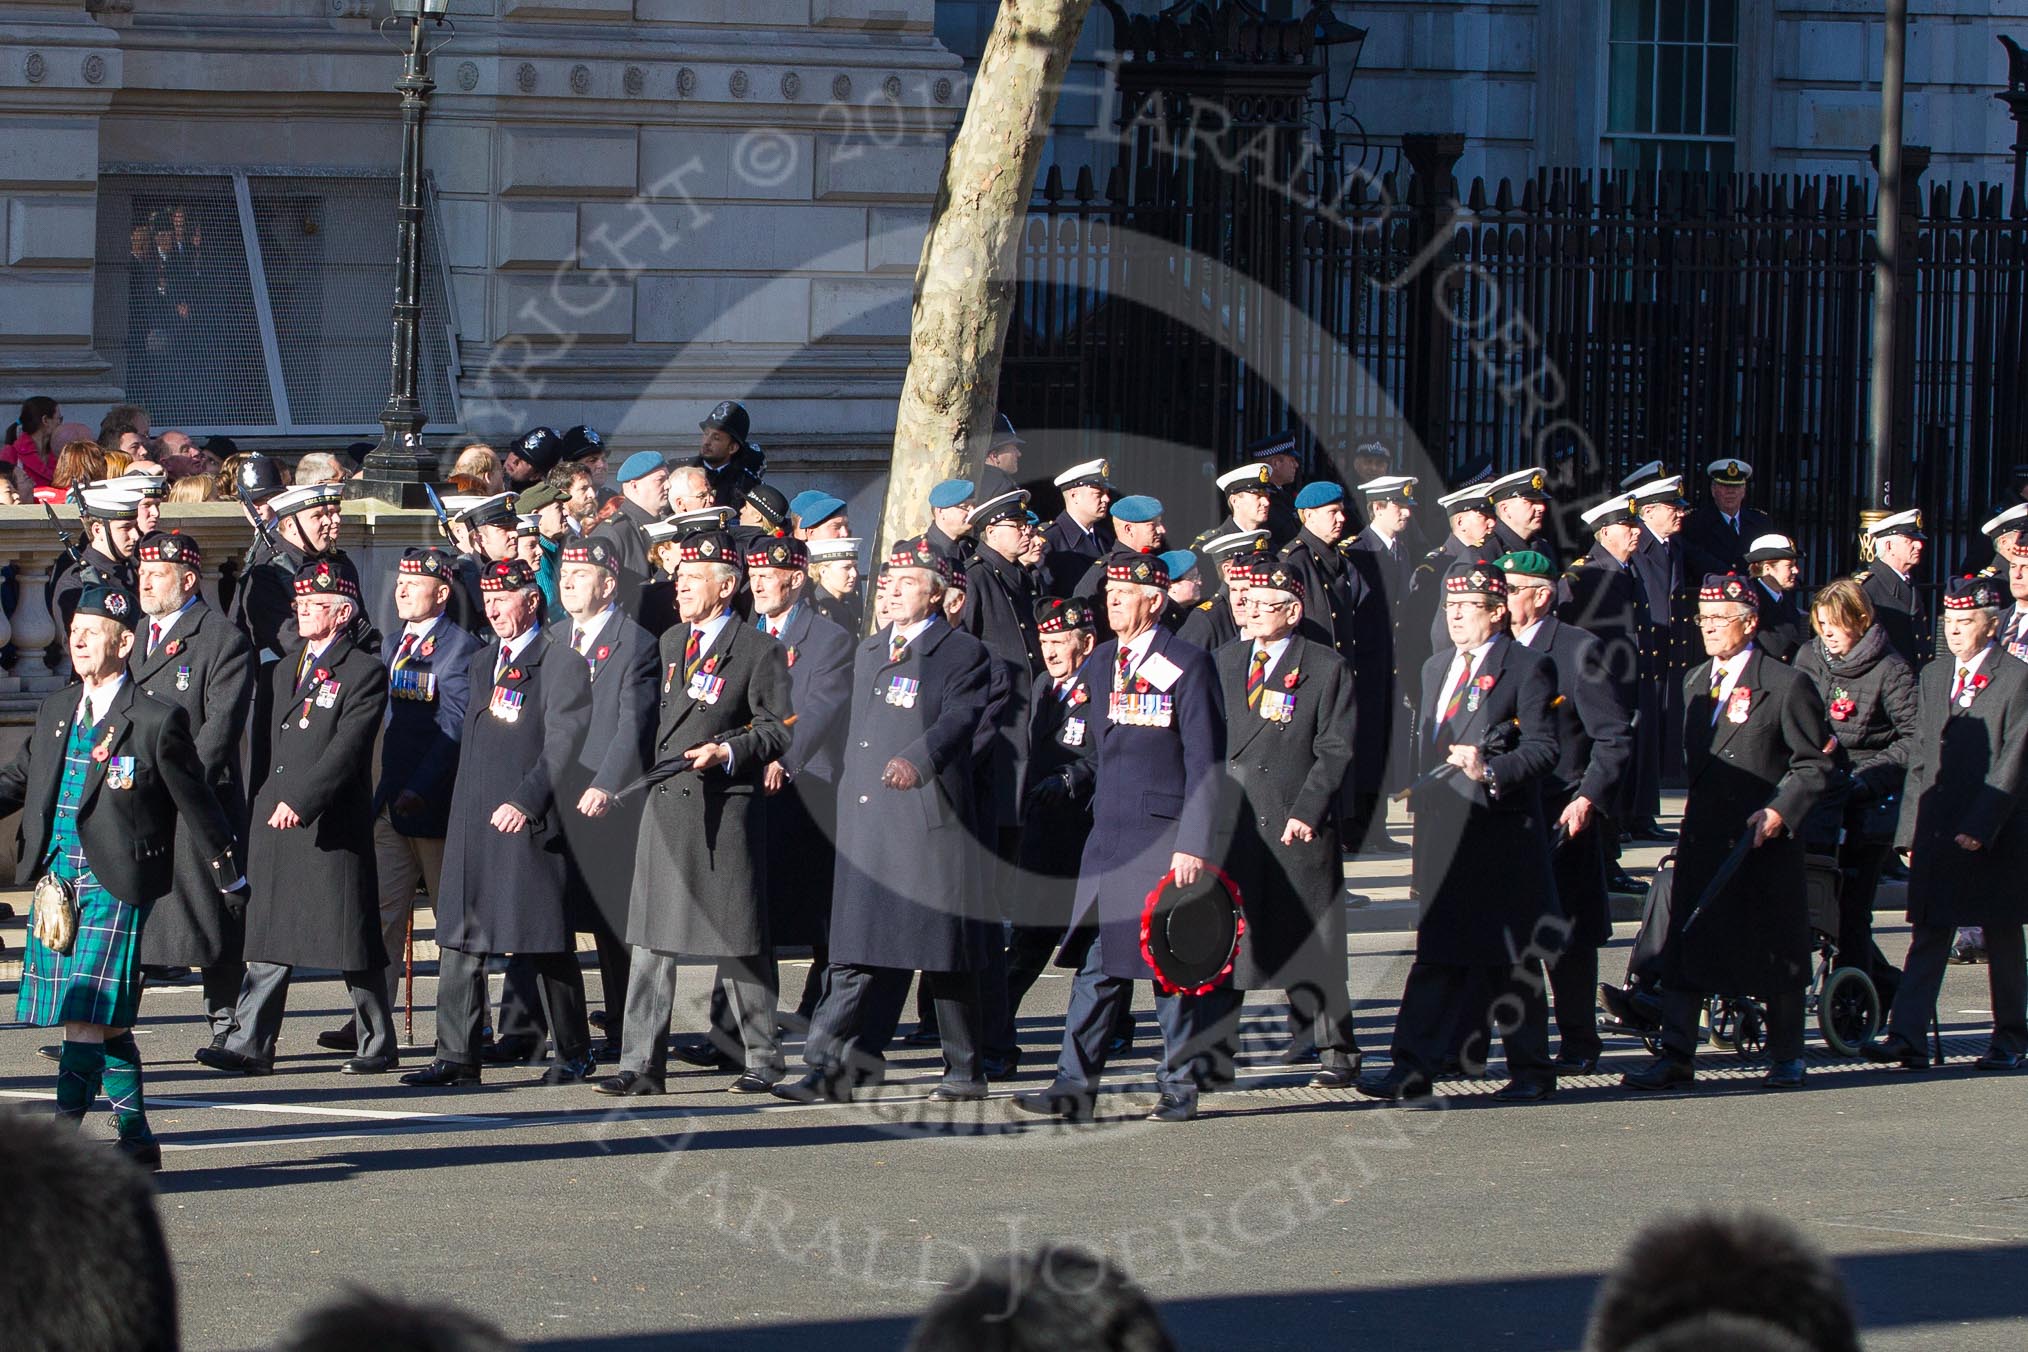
column 1126, row 666
column 154, row 635
column 1457, row 696
column 1256, row 677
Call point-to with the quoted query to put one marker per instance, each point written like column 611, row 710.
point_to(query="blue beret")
column 952, row 493
column 817, row 508
column 1137, row 508
column 639, row 465
column 1320, row 494
column 803, row 499
column 1180, row 563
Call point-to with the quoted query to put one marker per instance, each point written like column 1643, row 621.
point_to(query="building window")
column 1671, row 85
column 257, row 303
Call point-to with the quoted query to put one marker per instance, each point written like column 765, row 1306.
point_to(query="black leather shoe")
column 998, row 1068
column 1894, row 1050
column 574, row 1071
column 370, row 1065
column 218, row 1058
column 1574, row 1065
column 442, row 1075
column 816, row 1087
column 1784, row 1074
column 1995, row 1059
column 706, row 1053
column 1966, row 954
column 1525, row 1091
column 923, row 1035
column 1630, row 1006
column 512, row 1051
column 217, row 1042
column 752, row 1082
column 958, row 1093
column 1173, row 1109
column 597, row 1019
column 1340, row 1070
column 630, row 1084
column 345, row 1039
column 1619, row 880
column 142, row 1150
column 1397, row 1084
column 50, row 1053
column 1056, row 1101
column 1664, row 1072
column 1652, row 833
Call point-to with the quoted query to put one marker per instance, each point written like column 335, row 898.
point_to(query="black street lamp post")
column 399, row 466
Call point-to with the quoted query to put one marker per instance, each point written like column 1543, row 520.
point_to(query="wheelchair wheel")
column 1848, row 1010
column 1751, row 1039
column 1721, row 1020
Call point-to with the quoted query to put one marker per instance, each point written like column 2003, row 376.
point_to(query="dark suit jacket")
column 1783, row 626
column 128, row 834
column 619, row 744
column 819, row 655
column 1000, row 613
column 1898, row 608
column 1967, row 764
column 204, row 667
column 1595, row 753
column 424, row 725
column 1069, row 554
column 1156, row 791
column 1711, row 546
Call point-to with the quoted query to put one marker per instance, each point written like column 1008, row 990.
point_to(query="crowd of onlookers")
column 85, row 1267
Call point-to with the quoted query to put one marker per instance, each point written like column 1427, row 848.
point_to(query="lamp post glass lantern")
column 399, row 466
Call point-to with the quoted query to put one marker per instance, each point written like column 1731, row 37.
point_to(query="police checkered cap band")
column 506, row 576
column 1475, row 577
column 1973, row 592
column 1145, row 570
column 597, row 553
column 166, row 546
column 1728, row 587
column 325, row 577
column 1277, row 578
column 430, row 563
column 777, row 553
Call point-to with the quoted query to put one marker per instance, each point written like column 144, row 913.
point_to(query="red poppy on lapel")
column 1290, row 678
column 1740, row 705
column 791, row 655
column 1079, row 695
column 512, row 674
column 711, row 664
column 429, row 645
column 173, row 647
column 604, row 652
column 1843, row 706
column 1140, row 686
column 1485, row 682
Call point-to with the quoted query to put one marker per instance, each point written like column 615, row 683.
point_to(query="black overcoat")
column 1481, row 859
column 504, row 892
column 1754, row 936
column 619, row 746
column 700, row 870
column 316, row 889
column 204, row 667
column 1966, row 764
column 802, row 820
column 1289, row 766
column 1594, row 750
column 908, row 862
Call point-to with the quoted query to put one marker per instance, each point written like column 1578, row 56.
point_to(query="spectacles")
column 1719, row 621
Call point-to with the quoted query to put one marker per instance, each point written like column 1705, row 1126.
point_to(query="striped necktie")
column 1256, row 678
column 1126, row 667
column 693, row 654
column 896, row 646
column 1457, row 695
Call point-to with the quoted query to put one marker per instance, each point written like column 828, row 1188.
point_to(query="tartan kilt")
column 99, row 981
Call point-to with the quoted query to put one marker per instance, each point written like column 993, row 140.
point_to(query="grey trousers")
column 461, row 1004
column 1680, row 1035
column 401, row 861
column 1922, row 980
column 264, row 997
column 749, row 988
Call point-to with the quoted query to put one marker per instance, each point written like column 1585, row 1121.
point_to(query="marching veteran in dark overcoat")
column 1158, row 789
column 504, row 868
column 906, row 897
column 310, row 858
column 1289, row 729
column 1754, row 741
column 1964, row 828
column 1490, row 910
column 700, row 866
column 191, row 656
column 103, row 783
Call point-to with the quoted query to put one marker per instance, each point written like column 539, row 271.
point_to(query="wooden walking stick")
column 408, row 1012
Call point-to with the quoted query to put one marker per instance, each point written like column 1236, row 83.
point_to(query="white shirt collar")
column 1525, row 636
column 419, row 629
column 709, row 630
column 912, row 632
column 1478, row 654
column 593, row 627
column 1138, row 647
column 511, row 652
column 92, row 707
column 1972, row 664
column 781, row 621
column 1274, row 649
column 169, row 621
